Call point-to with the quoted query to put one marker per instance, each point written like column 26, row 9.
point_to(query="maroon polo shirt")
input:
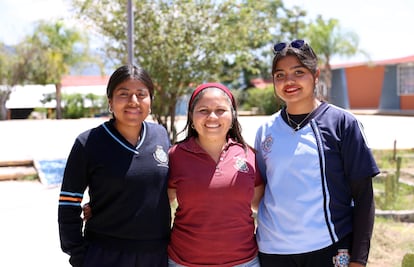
column 213, row 223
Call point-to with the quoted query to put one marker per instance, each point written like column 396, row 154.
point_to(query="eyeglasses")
column 298, row 44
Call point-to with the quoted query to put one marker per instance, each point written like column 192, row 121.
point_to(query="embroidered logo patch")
column 267, row 144
column 161, row 156
column 241, row 165
column 342, row 258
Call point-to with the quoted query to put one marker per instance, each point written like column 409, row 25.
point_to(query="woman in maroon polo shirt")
column 214, row 178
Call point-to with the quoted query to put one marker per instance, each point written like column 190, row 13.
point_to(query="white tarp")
column 30, row 96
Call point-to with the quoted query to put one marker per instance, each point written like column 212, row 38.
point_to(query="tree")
column 286, row 26
column 49, row 54
column 9, row 76
column 5, row 88
column 264, row 100
column 183, row 43
column 289, row 25
column 293, row 24
column 328, row 39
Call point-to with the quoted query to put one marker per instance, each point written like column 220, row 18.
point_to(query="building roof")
column 262, row 83
column 78, row 80
column 393, row 61
column 30, row 96
column 409, row 59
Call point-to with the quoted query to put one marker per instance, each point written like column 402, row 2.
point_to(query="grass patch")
column 30, row 177
column 390, row 193
column 403, row 200
column 386, row 158
column 390, row 242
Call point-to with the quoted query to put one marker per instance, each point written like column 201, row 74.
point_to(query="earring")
column 110, row 109
column 192, row 126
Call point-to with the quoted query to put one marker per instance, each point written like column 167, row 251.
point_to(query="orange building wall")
column 407, row 102
column 364, row 86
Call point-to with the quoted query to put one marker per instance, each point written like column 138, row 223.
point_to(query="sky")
column 17, row 16
column 384, row 27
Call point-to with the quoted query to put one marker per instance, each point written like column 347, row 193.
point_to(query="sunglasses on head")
column 298, row 44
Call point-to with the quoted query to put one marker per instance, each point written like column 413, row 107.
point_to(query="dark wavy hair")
column 304, row 54
column 233, row 133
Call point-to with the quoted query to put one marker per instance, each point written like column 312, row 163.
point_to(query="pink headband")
column 203, row 86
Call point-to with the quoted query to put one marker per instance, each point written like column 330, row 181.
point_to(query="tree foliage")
column 181, row 43
column 264, row 100
column 294, row 23
column 10, row 75
column 80, row 106
column 328, row 39
column 48, row 55
column 184, row 43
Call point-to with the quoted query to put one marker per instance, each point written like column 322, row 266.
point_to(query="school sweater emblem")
column 241, row 165
column 161, row 156
column 341, row 259
column 267, row 144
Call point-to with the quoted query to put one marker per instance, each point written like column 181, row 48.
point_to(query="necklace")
column 298, row 125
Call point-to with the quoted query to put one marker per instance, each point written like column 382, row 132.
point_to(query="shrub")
column 263, row 99
column 408, row 260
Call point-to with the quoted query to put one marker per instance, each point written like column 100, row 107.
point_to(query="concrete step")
column 16, row 172
column 397, row 215
column 16, row 162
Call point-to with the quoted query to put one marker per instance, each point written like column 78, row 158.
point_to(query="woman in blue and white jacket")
column 318, row 207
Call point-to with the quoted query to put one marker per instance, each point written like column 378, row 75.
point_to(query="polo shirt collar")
column 193, row 146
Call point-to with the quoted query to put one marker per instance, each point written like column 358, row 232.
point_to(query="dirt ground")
column 390, row 242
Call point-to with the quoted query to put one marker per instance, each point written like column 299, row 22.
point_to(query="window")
column 405, row 79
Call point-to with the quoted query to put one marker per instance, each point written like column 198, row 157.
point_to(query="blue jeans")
column 252, row 263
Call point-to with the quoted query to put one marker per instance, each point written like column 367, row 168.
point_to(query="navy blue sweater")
column 127, row 187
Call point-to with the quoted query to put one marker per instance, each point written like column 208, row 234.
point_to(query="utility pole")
column 130, row 32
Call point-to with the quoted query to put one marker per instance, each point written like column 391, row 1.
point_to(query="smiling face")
column 294, row 83
column 212, row 115
column 130, row 104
